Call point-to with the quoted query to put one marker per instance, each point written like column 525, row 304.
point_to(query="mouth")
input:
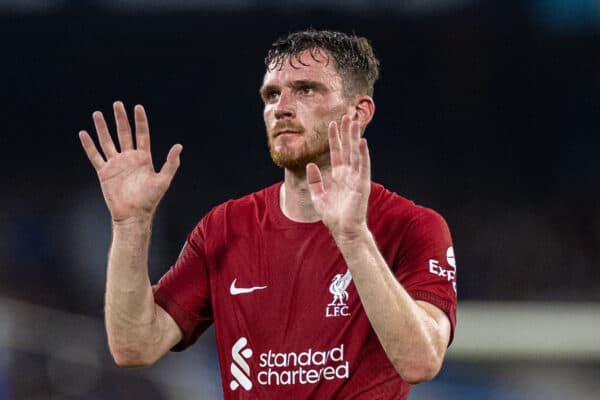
column 286, row 132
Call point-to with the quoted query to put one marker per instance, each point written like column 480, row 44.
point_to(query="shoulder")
column 240, row 213
column 392, row 213
column 253, row 203
column 384, row 203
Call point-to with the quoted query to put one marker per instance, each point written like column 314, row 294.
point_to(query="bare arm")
column 139, row 331
column 414, row 334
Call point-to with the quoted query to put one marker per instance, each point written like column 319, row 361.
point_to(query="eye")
column 306, row 90
column 270, row 96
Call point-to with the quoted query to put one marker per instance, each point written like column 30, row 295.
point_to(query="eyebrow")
column 294, row 85
column 307, row 83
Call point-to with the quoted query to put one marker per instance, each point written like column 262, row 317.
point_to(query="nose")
column 285, row 107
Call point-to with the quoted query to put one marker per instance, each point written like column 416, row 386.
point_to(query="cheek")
column 267, row 114
column 321, row 129
column 326, row 109
column 324, row 116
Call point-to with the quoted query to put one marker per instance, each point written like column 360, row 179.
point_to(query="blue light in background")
column 560, row 15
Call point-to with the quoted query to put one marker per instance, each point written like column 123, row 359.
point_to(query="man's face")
column 300, row 102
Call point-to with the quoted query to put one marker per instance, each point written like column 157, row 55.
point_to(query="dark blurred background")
column 487, row 111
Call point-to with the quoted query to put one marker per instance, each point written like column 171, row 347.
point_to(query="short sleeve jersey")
column 288, row 319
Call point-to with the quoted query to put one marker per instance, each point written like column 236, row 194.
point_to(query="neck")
column 294, row 196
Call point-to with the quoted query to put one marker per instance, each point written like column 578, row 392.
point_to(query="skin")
column 139, row 331
column 314, row 132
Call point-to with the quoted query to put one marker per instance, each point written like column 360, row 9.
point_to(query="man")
column 325, row 285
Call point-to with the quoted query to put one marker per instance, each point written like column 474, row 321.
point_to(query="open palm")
column 131, row 187
column 343, row 206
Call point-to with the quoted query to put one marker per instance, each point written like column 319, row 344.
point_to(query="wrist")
column 141, row 224
column 349, row 238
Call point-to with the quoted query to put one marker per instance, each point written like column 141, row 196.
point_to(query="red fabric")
column 301, row 345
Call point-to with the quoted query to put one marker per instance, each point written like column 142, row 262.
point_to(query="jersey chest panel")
column 278, row 289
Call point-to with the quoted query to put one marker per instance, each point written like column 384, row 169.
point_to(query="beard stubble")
column 314, row 148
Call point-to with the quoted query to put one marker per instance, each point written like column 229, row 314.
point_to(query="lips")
column 286, row 132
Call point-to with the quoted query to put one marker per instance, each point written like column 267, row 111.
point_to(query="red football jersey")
column 288, row 319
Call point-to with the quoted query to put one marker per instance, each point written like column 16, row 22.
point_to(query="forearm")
column 408, row 334
column 139, row 331
column 130, row 310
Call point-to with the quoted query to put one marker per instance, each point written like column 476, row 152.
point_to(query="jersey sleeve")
column 184, row 291
column 426, row 265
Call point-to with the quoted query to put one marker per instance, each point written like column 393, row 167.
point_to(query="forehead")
column 320, row 66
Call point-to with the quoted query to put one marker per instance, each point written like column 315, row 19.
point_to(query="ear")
column 364, row 110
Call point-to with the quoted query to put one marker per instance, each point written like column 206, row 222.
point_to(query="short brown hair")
column 354, row 58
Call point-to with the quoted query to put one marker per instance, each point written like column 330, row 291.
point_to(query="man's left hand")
column 342, row 202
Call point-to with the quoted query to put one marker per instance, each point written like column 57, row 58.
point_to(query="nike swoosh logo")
column 236, row 290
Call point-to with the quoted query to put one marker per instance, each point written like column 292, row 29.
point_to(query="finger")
column 315, row 180
column 345, row 140
column 170, row 166
column 123, row 127
column 91, row 151
column 335, row 147
column 142, row 130
column 365, row 160
column 106, row 142
column 354, row 145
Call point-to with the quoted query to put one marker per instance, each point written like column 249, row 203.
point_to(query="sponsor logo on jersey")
column 447, row 273
column 234, row 290
column 339, row 290
column 280, row 369
column 239, row 367
column 450, row 257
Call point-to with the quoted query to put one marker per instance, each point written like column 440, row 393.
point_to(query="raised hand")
column 342, row 206
column 131, row 187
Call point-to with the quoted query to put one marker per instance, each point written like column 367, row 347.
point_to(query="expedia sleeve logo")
column 276, row 369
column 447, row 273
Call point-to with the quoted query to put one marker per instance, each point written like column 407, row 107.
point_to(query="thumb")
column 315, row 180
column 172, row 164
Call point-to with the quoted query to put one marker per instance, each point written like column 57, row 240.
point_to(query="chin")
column 294, row 164
column 295, row 158
column 297, row 162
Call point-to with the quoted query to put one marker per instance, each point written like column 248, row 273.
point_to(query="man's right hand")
column 131, row 187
